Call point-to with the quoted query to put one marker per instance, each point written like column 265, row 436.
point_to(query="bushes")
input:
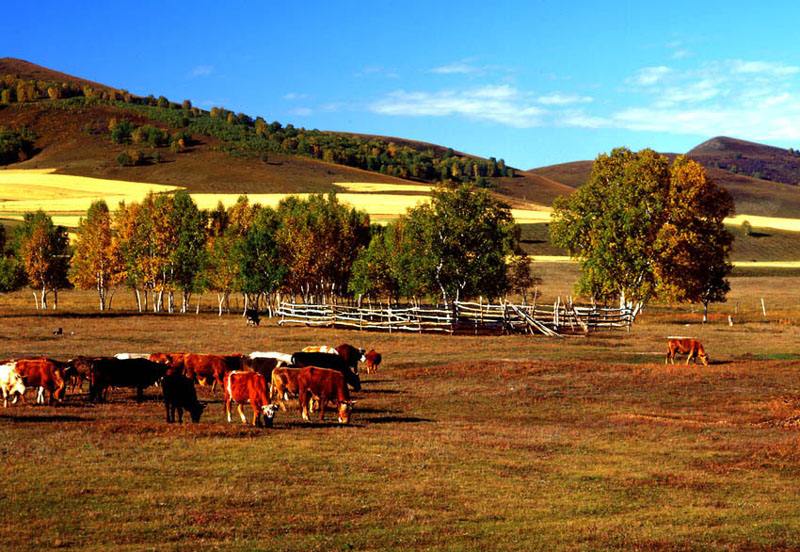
column 15, row 146
column 131, row 158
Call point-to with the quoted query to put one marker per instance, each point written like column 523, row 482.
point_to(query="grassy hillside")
column 754, row 195
column 73, row 136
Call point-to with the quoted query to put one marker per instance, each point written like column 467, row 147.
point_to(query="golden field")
column 66, row 198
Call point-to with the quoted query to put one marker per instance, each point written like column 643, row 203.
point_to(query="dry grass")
column 458, row 443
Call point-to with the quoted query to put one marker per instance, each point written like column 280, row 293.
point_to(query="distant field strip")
column 63, row 196
column 66, row 198
column 742, row 264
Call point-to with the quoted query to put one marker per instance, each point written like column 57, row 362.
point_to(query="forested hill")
column 83, row 127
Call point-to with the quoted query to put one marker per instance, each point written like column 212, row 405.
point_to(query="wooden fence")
column 463, row 317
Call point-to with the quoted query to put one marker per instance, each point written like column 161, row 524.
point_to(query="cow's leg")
column 167, row 408
column 256, row 414
column 322, row 402
column 139, row 394
column 241, row 413
column 688, row 358
column 180, row 414
column 40, row 395
column 228, row 408
column 303, row 404
column 5, row 397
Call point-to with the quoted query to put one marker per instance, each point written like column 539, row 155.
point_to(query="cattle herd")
column 316, row 377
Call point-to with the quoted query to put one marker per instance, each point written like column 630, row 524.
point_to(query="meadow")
column 458, row 442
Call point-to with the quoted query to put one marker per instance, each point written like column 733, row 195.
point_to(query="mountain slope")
column 732, row 164
column 72, row 135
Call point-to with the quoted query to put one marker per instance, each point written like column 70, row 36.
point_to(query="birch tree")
column 97, row 262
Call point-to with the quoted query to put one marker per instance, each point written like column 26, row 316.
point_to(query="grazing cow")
column 252, row 317
column 115, row 372
column 287, row 359
column 242, row 387
column 263, row 366
column 205, row 368
column 11, row 383
column 684, row 345
column 173, row 360
column 46, row 374
column 373, row 360
column 79, row 369
column 325, row 360
column 234, row 361
column 179, row 393
column 328, row 386
column 283, row 385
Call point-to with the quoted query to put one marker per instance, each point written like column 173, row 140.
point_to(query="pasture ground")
column 458, row 443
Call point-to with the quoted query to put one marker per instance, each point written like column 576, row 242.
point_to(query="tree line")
column 167, row 250
column 242, row 134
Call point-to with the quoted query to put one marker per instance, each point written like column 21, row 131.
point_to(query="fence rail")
column 463, row 317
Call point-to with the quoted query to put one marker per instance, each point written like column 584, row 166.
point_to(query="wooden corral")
column 461, row 317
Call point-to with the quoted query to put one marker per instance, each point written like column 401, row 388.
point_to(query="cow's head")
column 701, row 354
column 16, row 387
column 362, row 355
column 269, row 411
column 196, row 411
column 345, row 407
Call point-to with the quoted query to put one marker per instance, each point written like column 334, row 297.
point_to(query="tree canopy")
column 642, row 228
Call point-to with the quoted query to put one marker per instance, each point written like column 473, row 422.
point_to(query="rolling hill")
column 762, row 179
column 72, row 136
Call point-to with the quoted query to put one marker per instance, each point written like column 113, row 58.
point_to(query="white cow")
column 287, row 359
column 126, row 356
column 11, row 383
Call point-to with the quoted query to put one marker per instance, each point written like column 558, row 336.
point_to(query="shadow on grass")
column 398, row 420
column 45, row 419
column 381, row 391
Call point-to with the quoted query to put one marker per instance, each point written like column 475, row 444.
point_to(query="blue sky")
column 535, row 83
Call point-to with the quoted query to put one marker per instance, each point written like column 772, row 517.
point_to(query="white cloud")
column 301, row 111
column 763, row 68
column 500, row 104
column 454, row 68
column 201, row 71
column 649, row 76
column 291, row 96
column 563, row 99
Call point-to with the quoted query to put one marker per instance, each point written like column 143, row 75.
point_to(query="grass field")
column 458, row 443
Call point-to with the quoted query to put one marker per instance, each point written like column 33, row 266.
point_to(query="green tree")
column 189, row 254
column 260, row 270
column 44, row 250
column 631, row 224
column 459, row 243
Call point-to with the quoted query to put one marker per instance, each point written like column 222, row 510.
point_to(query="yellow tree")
column 44, row 250
column 97, row 262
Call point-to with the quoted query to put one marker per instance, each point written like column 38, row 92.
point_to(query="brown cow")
column 352, row 355
column 263, row 366
column 684, row 345
column 242, row 387
column 327, row 385
column 283, row 385
column 373, row 360
column 173, row 360
column 205, row 368
column 46, row 374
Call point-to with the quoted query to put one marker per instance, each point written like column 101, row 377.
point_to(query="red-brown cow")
column 173, row 360
column 684, row 345
column 283, row 385
column 242, row 387
column 328, row 386
column 373, row 360
column 205, row 368
column 352, row 355
column 46, row 374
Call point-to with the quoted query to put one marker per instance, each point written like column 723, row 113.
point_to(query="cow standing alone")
column 684, row 345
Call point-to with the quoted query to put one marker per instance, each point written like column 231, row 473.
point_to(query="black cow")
column 252, row 317
column 179, row 393
column 332, row 362
column 115, row 372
